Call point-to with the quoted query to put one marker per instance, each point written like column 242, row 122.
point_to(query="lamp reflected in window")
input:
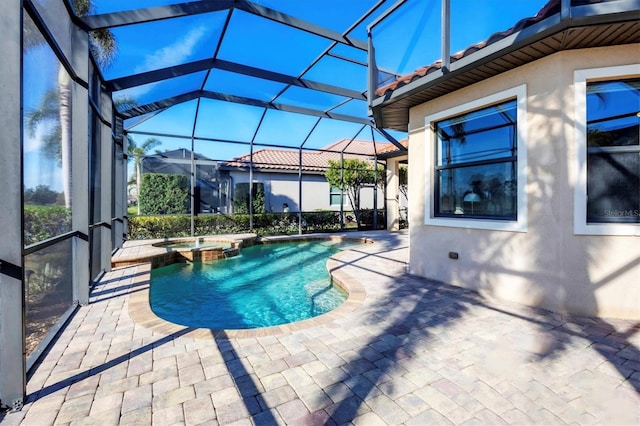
column 472, row 198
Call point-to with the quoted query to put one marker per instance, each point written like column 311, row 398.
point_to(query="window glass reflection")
column 613, row 151
column 48, row 295
column 47, row 139
column 488, row 190
column 612, row 113
column 479, row 135
column 476, row 166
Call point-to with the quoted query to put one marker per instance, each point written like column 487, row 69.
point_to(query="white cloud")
column 174, row 53
column 34, row 143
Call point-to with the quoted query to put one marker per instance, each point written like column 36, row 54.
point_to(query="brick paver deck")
column 407, row 351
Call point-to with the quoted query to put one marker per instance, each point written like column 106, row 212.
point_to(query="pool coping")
column 140, row 308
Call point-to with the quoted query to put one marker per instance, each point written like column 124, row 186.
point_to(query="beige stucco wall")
column 547, row 266
column 283, row 188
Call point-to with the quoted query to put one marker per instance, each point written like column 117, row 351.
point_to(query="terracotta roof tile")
column 393, row 148
column 549, row 9
column 316, row 161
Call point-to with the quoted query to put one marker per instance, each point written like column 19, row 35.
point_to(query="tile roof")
column 316, row 161
column 392, row 148
column 549, row 9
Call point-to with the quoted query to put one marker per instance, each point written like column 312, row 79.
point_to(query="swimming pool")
column 268, row 284
column 196, row 245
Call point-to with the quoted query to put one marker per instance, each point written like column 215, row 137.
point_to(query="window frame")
column 581, row 78
column 335, row 191
column 519, row 224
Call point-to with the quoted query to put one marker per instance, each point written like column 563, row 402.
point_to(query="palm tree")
column 57, row 105
column 137, row 153
column 47, row 111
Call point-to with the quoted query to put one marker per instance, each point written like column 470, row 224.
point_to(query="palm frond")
column 49, row 109
column 124, row 103
column 103, row 46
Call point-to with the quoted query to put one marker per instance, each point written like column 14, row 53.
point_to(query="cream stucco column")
column 392, row 196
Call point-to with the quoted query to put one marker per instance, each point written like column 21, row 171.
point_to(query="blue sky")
column 408, row 40
column 404, row 42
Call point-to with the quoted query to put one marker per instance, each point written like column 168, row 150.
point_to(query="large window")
column 476, row 163
column 607, row 198
column 47, row 140
column 477, row 160
column 613, row 151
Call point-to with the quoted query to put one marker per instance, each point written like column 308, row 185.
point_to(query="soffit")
column 589, row 26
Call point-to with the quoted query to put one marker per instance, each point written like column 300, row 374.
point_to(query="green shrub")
column 366, row 219
column 42, row 195
column 164, row 194
column 44, row 222
column 322, row 221
column 241, row 198
column 150, row 227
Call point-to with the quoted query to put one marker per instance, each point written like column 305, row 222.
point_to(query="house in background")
column 525, row 160
column 277, row 170
column 211, row 189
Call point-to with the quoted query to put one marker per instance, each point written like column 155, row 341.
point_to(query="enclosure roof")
column 585, row 24
column 277, row 73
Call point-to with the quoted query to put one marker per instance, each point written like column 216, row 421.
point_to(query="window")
column 613, row 152
column 335, row 196
column 608, row 138
column 478, row 164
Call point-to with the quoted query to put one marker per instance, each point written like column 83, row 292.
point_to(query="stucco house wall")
column 282, row 188
column 546, row 263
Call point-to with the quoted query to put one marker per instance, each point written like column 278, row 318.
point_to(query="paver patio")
column 412, row 352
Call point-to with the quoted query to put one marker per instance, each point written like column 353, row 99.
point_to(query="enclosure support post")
column 108, row 191
column 120, row 200
column 82, row 256
column 375, row 192
column 446, row 35
column 12, row 362
column 342, row 190
column 194, row 171
column 192, row 189
column 300, row 190
column 251, row 187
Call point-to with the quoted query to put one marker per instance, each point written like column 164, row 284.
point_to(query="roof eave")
column 391, row 110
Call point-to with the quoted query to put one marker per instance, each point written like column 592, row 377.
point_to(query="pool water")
column 266, row 285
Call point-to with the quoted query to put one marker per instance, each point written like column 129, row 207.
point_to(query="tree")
column 137, row 153
column 56, row 105
column 351, row 176
column 41, row 195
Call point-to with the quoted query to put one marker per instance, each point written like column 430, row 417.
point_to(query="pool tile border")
column 140, row 309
